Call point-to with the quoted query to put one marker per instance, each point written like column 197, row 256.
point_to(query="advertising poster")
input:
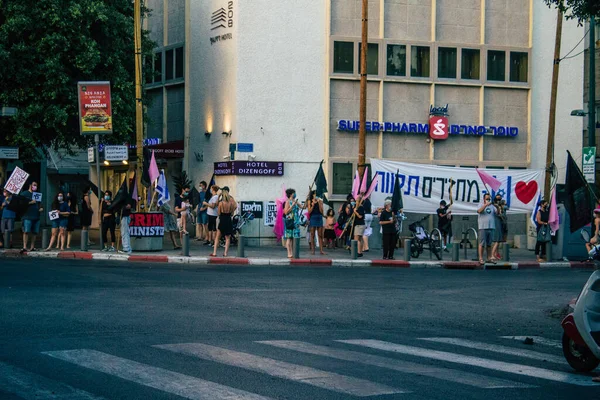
column 95, row 113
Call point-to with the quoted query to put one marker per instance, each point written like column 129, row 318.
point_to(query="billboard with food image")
column 95, row 114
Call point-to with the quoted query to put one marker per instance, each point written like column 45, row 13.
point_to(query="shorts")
column 7, row 225
column 179, row 226
column 212, row 223
column 63, row 223
column 31, row 226
column 316, row 221
column 359, row 230
column 202, row 218
column 485, row 237
column 329, row 234
column 55, row 224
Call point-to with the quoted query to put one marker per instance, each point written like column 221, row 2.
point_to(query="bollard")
column 354, row 249
column 240, row 246
column 84, row 240
column 7, row 240
column 45, row 239
column 465, row 235
column 296, row 253
column 185, row 243
column 407, row 243
column 505, row 252
column 455, row 251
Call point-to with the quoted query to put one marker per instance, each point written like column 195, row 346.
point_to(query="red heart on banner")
column 526, row 191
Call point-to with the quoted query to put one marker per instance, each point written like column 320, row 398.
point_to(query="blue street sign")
column 245, row 147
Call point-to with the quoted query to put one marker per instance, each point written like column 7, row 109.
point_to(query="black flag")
column 145, row 180
column 321, row 181
column 121, row 197
column 397, row 203
column 578, row 202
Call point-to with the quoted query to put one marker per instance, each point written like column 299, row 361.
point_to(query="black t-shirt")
column 178, row 204
column 368, row 206
column 444, row 220
column 360, row 221
column 387, row 216
column 127, row 212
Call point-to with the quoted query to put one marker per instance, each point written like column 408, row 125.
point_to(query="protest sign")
column 16, row 181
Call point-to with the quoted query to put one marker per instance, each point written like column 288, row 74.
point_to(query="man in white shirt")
column 213, row 213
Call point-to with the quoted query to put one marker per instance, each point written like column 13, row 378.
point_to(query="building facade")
column 284, row 78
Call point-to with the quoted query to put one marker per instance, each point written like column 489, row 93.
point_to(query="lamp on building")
column 251, row 157
column 226, row 134
column 578, row 113
column 106, row 163
column 207, row 133
column 125, row 162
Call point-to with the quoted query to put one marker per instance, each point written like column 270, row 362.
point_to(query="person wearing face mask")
column 542, row 217
column 108, row 222
column 7, row 224
column 31, row 218
column 59, row 225
column 74, row 210
column 86, row 212
column 181, row 208
column 291, row 213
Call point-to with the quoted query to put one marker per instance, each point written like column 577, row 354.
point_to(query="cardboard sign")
column 36, row 196
column 270, row 213
column 53, row 215
column 255, row 207
column 147, row 224
column 16, row 181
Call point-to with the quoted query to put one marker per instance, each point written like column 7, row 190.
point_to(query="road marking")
column 510, row 368
column 534, row 355
column 167, row 381
column 537, row 340
column 281, row 369
column 445, row 374
column 31, row 386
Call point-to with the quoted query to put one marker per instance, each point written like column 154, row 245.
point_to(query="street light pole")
column 139, row 127
column 362, row 130
column 592, row 84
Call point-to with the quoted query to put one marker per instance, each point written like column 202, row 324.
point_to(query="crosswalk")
column 457, row 362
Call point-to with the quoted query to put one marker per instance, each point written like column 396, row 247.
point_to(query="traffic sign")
column 588, row 160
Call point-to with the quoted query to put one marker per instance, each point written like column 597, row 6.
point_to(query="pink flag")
column 355, row 185
column 153, row 170
column 372, row 187
column 363, row 185
column 134, row 192
column 553, row 218
column 487, row 179
column 278, row 228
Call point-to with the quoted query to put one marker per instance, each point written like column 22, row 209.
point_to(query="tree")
column 580, row 9
column 46, row 47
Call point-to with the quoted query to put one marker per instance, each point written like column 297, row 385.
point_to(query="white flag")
column 162, row 189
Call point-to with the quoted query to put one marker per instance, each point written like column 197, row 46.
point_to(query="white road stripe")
column 167, row 381
column 31, row 386
column 511, row 368
column 534, row 355
column 445, row 374
column 537, row 340
column 281, row 369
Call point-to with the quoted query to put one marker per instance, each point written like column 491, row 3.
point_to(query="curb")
column 316, row 262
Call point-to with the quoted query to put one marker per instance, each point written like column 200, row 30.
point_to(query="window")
column 342, row 178
column 372, row 58
column 470, row 64
column 179, row 62
column 419, row 61
column 518, row 66
column 447, row 62
column 169, row 64
column 496, row 65
column 157, row 67
column 396, row 60
column 343, row 57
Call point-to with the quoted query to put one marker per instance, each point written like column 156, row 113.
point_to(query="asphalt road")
column 88, row 330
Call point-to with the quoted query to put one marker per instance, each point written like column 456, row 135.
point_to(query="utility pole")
column 592, row 84
column 552, row 117
column 139, row 127
column 362, row 131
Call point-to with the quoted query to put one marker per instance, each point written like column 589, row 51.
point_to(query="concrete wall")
column 507, row 22
column 458, row 21
column 155, row 23
column 406, row 19
column 176, row 15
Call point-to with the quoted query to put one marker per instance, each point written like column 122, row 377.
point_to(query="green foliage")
column 46, row 47
column 181, row 180
column 579, row 9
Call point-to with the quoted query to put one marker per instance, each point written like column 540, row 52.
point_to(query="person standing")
column 31, row 218
column 73, row 211
column 445, row 222
column 315, row 213
column 201, row 215
column 108, row 222
column 213, row 213
column 226, row 209
column 170, row 223
column 542, row 217
column 86, row 212
column 329, row 232
column 8, row 218
column 291, row 214
column 368, row 221
column 486, row 224
column 387, row 220
column 181, row 203
column 125, row 219
column 59, row 225
column 359, row 224
column 501, row 231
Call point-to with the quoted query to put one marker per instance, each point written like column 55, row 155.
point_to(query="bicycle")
column 422, row 240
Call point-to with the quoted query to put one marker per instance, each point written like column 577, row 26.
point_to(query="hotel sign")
column 249, row 168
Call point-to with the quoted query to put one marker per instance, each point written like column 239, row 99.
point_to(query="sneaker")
column 105, row 249
column 124, row 252
column 111, row 249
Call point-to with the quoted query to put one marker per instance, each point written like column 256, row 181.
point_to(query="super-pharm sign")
column 147, row 225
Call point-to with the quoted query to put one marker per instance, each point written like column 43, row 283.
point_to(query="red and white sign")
column 16, row 181
column 438, row 128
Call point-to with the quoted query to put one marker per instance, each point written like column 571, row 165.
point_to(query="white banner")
column 424, row 186
column 16, row 181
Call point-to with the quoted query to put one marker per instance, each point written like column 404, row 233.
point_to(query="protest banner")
column 36, row 196
column 16, row 181
column 425, row 185
column 52, row 215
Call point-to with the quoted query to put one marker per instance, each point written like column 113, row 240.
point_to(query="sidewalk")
column 276, row 255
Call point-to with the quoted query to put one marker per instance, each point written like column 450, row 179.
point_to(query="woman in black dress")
column 227, row 207
column 86, row 212
column 109, row 222
column 72, row 202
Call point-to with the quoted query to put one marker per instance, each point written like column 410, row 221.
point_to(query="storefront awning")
column 168, row 150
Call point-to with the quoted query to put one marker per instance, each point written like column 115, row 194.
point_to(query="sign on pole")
column 255, row 207
column 16, row 181
column 9, row 153
column 116, row 153
column 91, row 153
column 95, row 113
column 588, row 161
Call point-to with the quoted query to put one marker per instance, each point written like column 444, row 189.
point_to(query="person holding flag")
column 130, row 202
